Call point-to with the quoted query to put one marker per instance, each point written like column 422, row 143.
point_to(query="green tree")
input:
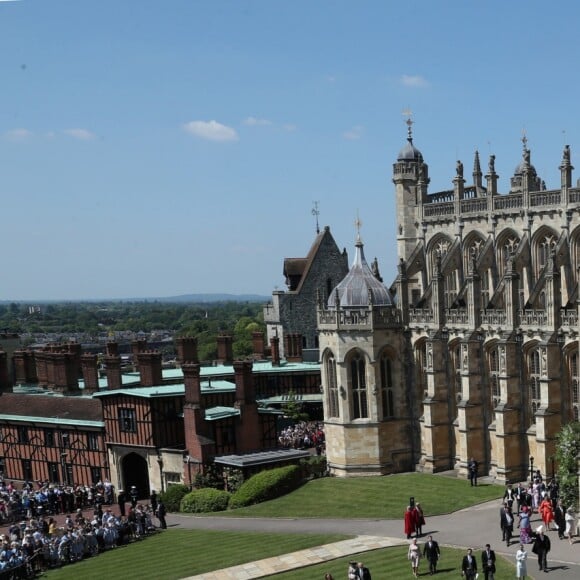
column 293, row 409
column 567, row 450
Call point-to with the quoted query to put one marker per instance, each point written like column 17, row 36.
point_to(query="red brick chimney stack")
column 137, row 347
column 248, row 434
column 150, row 368
column 90, row 370
column 225, row 348
column 198, row 446
column 113, row 371
column 40, row 357
column 112, row 348
column 4, row 374
column 62, row 369
column 275, row 348
column 186, row 349
column 258, row 345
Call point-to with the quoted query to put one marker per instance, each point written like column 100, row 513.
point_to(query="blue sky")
column 152, row 148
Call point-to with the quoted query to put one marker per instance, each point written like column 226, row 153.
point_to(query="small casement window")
column 23, row 434
column 127, row 420
column 93, row 441
column 49, row 438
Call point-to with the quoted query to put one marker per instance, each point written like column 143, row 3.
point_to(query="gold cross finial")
column 357, row 225
column 409, row 122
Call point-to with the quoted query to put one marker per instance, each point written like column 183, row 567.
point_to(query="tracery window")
column 508, row 248
column 387, row 387
column 534, row 384
column 358, row 386
column 544, row 248
column 456, row 374
column 575, row 387
column 494, row 384
column 332, row 387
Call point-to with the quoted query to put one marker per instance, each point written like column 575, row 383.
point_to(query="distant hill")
column 213, row 298
column 184, row 298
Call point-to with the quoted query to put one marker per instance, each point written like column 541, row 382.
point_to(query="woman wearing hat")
column 525, row 526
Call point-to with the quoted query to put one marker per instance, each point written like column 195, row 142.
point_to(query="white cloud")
column 211, row 130
column 414, row 81
column 80, row 134
column 330, row 78
column 254, row 122
column 289, row 127
column 18, row 134
column 355, row 133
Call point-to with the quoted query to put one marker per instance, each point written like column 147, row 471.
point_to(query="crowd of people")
column 40, row 532
column 535, row 497
column 45, row 498
column 303, row 435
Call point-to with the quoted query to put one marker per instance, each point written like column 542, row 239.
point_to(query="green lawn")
column 372, row 497
column 180, row 553
column 393, row 563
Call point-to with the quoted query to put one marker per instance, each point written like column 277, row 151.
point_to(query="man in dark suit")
column 432, row 553
column 362, row 572
column 469, row 565
column 488, row 562
column 541, row 548
column 509, row 495
column 472, row 468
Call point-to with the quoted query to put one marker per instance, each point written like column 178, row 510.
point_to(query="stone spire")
column 477, row 174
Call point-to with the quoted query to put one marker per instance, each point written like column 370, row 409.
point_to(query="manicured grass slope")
column 180, row 553
column 372, row 497
column 393, row 563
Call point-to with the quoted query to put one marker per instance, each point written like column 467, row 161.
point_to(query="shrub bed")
column 205, row 500
column 267, row 485
column 173, row 496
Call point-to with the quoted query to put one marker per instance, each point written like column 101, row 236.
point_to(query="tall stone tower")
column 363, row 376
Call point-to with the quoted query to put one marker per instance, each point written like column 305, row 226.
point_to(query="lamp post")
column 63, row 457
column 531, row 468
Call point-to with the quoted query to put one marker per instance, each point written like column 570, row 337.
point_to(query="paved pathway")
column 473, row 527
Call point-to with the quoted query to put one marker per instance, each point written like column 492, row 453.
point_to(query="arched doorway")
column 135, row 472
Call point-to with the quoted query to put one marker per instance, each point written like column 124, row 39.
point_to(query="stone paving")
column 300, row 559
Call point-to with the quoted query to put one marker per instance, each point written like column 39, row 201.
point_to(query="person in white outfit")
column 521, row 557
column 570, row 524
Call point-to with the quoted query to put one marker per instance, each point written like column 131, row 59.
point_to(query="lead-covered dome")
column 359, row 287
column 409, row 152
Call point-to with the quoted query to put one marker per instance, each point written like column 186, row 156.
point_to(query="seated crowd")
column 38, row 542
column 303, row 435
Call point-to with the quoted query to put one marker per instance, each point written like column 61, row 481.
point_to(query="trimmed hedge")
column 205, row 500
column 267, row 485
column 173, row 496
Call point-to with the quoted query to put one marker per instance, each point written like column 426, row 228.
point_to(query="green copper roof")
column 213, row 386
column 54, row 421
column 216, row 413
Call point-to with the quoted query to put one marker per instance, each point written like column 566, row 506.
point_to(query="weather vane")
column 409, row 122
column 316, row 213
column 357, row 225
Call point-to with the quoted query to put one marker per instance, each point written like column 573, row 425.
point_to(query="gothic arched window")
column 494, row 385
column 358, row 386
column 575, row 386
column 387, row 387
column 534, row 384
column 332, row 387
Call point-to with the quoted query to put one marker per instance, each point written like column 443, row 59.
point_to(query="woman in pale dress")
column 521, row 557
column 570, row 524
column 414, row 555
